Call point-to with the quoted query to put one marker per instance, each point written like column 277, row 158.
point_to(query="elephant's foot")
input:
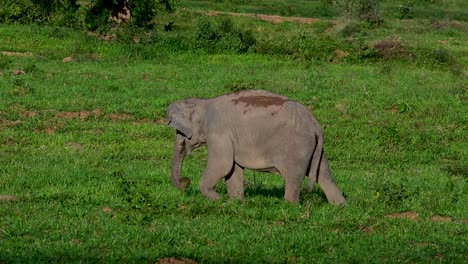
column 292, row 192
column 210, row 194
column 336, row 199
column 236, row 193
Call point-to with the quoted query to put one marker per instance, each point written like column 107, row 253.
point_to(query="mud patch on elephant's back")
column 260, row 101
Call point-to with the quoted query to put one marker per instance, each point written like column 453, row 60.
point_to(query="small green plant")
column 393, row 194
column 5, row 62
column 21, row 88
column 352, row 29
column 138, row 208
column 405, row 12
column 443, row 56
column 320, row 27
column 240, row 85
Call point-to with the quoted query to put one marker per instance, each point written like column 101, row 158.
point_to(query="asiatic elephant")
column 252, row 129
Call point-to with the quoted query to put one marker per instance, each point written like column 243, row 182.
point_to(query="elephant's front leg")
column 220, row 164
column 235, row 182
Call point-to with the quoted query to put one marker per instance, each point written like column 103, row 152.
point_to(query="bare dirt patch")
column 447, row 24
column 175, row 261
column 84, row 114
column 405, row 215
column 7, row 198
column 269, row 18
column 119, row 116
column 51, row 130
column 18, row 72
column 74, row 146
column 107, row 209
column 158, row 121
column 67, row 59
column 444, row 219
column 6, row 122
column 426, row 244
column 29, row 114
column 13, row 53
column 368, row 229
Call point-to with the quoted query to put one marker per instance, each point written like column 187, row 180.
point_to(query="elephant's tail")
column 315, row 160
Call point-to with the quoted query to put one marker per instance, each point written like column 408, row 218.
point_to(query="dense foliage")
column 91, row 14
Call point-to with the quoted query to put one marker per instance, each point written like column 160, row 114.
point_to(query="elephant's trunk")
column 178, row 159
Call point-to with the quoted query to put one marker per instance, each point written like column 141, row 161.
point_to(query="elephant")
column 253, row 129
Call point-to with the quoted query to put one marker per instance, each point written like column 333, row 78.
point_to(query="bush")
column 223, row 36
column 39, row 11
column 74, row 13
column 351, row 29
column 389, row 49
column 142, row 12
column 443, row 56
column 364, row 10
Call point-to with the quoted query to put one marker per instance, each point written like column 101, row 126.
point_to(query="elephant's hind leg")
column 235, row 183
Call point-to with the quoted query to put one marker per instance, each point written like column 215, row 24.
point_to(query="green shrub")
column 443, row 56
column 142, row 12
column 40, row 11
column 390, row 48
column 364, row 10
column 405, row 12
column 73, row 13
column 394, row 194
column 351, row 29
column 223, row 36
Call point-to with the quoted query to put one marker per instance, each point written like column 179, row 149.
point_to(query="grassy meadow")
column 85, row 154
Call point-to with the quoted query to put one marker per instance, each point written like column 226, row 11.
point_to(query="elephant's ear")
column 181, row 124
column 179, row 115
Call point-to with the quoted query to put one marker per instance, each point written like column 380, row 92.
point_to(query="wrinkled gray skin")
column 251, row 129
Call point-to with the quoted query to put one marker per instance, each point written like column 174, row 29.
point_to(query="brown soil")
column 107, row 209
column 84, row 114
column 368, row 229
column 12, row 53
column 270, row 18
column 119, row 116
column 6, row 122
column 7, row 198
column 438, row 218
column 175, row 261
column 426, row 244
column 406, row 215
column 29, row 114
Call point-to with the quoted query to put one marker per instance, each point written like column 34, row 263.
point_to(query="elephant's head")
column 186, row 117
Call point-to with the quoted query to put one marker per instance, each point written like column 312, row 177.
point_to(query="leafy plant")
column 39, row 11
column 223, row 36
column 390, row 48
column 393, row 193
column 364, row 10
column 140, row 13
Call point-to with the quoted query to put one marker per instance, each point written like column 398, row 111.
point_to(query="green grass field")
column 85, row 153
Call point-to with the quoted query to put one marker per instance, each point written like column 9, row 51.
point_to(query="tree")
column 138, row 12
